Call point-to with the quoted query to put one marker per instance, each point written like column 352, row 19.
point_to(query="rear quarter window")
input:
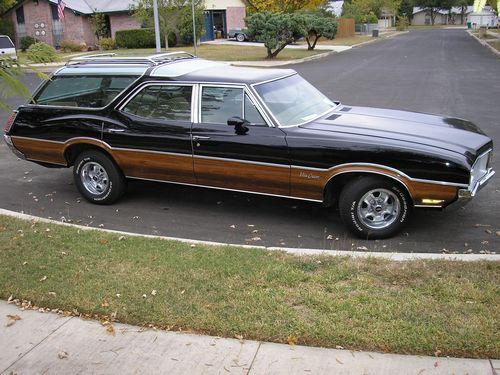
column 82, row 91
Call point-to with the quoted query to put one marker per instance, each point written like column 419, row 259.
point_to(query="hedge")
column 140, row 38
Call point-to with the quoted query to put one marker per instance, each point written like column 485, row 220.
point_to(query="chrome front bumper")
column 465, row 195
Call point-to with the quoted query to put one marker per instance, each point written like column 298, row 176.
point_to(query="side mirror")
column 239, row 124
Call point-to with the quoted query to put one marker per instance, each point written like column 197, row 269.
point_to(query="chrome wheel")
column 378, row 208
column 94, row 178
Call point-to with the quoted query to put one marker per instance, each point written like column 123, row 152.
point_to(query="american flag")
column 60, row 9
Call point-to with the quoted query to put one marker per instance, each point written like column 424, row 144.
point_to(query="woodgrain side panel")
column 156, row 166
column 40, row 150
column 237, row 175
column 310, row 184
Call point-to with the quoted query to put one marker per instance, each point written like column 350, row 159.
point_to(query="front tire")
column 97, row 177
column 374, row 207
column 240, row 37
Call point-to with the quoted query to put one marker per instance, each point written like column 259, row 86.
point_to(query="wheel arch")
column 75, row 147
column 336, row 183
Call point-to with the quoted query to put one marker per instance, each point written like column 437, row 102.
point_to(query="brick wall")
column 122, row 21
column 77, row 29
column 35, row 15
column 235, row 17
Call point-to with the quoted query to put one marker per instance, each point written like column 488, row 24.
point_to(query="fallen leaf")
column 437, row 353
column 339, row 361
column 62, row 355
column 364, row 248
column 43, row 278
column 144, row 296
column 103, row 242
column 12, row 319
column 25, row 263
column 481, row 225
column 329, row 237
column 339, row 347
column 497, row 233
column 153, row 292
column 121, row 238
column 10, row 299
column 292, row 340
column 436, row 364
column 105, row 304
column 232, row 226
column 110, row 329
column 240, row 338
column 53, row 294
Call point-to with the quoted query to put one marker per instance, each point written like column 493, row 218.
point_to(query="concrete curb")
column 484, row 43
column 399, row 257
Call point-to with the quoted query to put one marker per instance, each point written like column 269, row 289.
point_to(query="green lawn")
column 210, row 52
column 414, row 307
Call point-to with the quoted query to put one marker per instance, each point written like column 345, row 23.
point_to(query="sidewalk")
column 48, row 343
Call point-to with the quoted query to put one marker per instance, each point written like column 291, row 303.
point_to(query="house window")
column 21, row 27
column 20, row 15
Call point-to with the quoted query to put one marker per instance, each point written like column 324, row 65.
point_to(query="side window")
column 252, row 115
column 82, row 91
column 162, row 102
column 218, row 104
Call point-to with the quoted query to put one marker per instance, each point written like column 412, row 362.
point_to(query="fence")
column 345, row 28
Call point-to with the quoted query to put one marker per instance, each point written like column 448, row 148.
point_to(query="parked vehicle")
column 175, row 118
column 7, row 48
column 239, row 34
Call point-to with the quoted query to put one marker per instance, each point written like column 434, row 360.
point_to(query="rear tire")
column 240, row 37
column 374, row 207
column 97, row 177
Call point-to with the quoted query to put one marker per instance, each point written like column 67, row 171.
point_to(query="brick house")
column 39, row 19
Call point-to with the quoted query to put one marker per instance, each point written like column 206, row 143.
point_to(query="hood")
column 453, row 134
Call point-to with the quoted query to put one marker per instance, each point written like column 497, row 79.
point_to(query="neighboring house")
column 222, row 15
column 39, row 19
column 443, row 16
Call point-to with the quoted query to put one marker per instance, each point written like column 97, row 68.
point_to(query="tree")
column 318, row 26
column 99, row 25
column 286, row 6
column 6, row 5
column 276, row 30
column 171, row 13
column 406, row 8
column 10, row 85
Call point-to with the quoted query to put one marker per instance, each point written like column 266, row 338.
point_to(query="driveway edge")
column 399, row 257
column 484, row 43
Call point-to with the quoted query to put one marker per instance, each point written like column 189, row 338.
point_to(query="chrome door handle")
column 116, row 130
column 199, row 137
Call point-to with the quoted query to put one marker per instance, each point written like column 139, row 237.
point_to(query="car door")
column 255, row 160
column 151, row 135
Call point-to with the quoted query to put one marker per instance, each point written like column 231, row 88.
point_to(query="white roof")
column 91, row 6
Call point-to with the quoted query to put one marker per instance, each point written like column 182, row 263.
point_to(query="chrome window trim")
column 142, row 87
column 272, row 114
column 245, row 89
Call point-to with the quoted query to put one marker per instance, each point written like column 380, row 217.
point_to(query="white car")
column 7, row 48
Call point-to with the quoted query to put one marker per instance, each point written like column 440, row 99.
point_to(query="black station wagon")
column 176, row 118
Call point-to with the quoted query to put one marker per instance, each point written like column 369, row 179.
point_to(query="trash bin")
column 469, row 25
column 375, row 33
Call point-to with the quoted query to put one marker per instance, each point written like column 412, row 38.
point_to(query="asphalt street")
column 435, row 71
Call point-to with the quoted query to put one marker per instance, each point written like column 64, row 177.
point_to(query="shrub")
column 25, row 42
column 135, row 38
column 42, row 53
column 186, row 25
column 107, row 43
column 369, row 18
column 7, row 28
column 402, row 23
column 69, row 46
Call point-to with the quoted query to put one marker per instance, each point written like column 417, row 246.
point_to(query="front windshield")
column 293, row 100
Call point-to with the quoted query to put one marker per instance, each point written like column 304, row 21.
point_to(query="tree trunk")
column 278, row 50
column 433, row 16
column 315, row 41
column 166, row 41
column 309, row 47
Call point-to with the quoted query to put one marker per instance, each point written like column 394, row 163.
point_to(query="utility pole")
column 194, row 26
column 157, row 26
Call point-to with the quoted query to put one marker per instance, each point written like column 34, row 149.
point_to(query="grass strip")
column 208, row 51
column 417, row 307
